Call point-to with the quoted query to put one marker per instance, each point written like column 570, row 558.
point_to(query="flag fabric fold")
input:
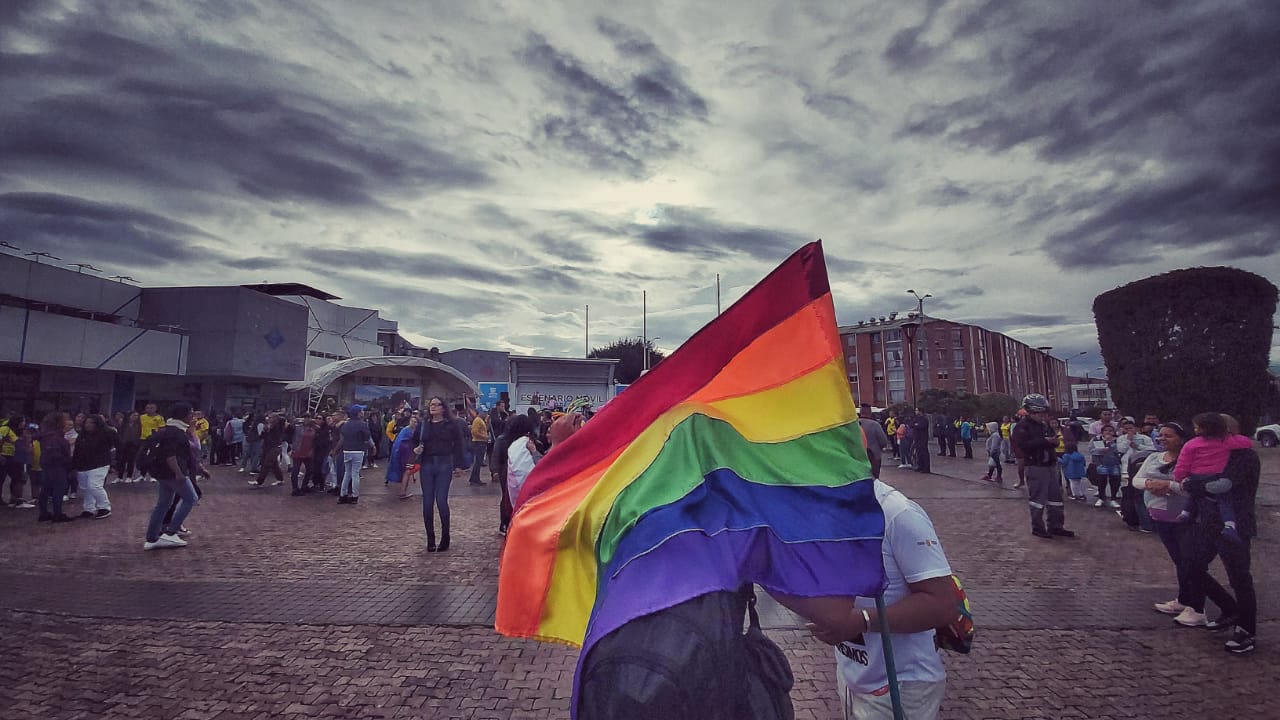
column 736, row 460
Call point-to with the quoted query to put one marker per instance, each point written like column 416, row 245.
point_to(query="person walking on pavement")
column 172, row 470
column 920, row 431
column 995, row 468
column 479, row 443
column 966, row 437
column 877, row 440
column 1035, row 441
column 272, row 442
column 355, row 441
column 91, row 460
column 439, row 449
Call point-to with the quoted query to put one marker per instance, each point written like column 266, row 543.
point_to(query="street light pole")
column 920, row 302
column 909, row 366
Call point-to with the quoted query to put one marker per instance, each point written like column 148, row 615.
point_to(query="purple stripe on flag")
column 694, row 563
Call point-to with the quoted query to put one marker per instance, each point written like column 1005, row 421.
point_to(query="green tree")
column 934, row 400
column 630, row 351
column 1189, row 341
column 900, row 409
column 994, row 406
column 962, row 404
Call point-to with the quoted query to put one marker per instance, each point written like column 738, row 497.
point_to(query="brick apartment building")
column 949, row 355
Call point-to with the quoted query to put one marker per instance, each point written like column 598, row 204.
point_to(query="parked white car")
column 1268, row 435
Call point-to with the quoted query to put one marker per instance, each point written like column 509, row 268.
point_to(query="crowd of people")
column 1193, row 487
column 78, row 457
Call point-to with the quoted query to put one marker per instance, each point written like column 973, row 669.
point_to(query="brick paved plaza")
column 298, row 607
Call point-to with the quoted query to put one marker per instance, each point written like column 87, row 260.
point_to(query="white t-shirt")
column 519, row 464
column 911, row 553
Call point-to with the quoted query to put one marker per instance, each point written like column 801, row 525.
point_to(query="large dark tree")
column 992, row 407
column 1188, row 341
column 630, row 351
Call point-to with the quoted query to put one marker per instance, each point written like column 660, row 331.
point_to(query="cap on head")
column 354, row 410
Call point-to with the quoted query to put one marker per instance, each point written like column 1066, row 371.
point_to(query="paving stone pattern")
column 298, row 607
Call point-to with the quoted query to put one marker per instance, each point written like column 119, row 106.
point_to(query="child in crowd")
column 1106, row 461
column 1073, row 467
column 1204, row 457
column 993, row 454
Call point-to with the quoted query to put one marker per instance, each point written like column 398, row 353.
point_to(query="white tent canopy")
column 319, row 380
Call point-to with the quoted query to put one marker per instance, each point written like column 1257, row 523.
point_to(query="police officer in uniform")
column 1036, row 442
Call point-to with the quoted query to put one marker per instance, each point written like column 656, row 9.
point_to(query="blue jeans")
column 477, row 452
column 252, row 459
column 352, row 461
column 436, row 474
column 165, row 492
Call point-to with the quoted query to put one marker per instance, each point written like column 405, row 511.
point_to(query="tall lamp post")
column 909, row 367
column 920, row 302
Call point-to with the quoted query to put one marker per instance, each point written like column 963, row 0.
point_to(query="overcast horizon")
column 481, row 172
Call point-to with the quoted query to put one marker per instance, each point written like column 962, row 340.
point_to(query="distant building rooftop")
column 291, row 289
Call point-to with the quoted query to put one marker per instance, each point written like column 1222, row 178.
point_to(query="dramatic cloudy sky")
column 480, row 171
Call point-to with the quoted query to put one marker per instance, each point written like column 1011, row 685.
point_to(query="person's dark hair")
column 445, row 413
column 520, row 428
column 180, row 411
column 1178, row 430
column 99, row 422
column 1210, row 424
column 53, row 422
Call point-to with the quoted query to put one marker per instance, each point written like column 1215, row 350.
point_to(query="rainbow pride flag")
column 738, row 459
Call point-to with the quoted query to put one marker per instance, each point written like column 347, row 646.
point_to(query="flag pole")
column 891, row 671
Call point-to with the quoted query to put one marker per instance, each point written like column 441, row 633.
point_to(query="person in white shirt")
column 1106, row 417
column 920, row 597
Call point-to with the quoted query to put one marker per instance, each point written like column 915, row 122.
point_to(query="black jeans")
column 968, row 449
column 1199, row 546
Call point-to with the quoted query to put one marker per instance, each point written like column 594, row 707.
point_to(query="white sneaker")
column 1099, row 502
column 277, row 482
column 1113, row 504
column 171, row 540
column 1190, row 618
column 148, row 545
column 28, row 505
column 241, row 471
column 1172, row 607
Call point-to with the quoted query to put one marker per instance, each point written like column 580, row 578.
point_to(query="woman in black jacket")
column 55, row 461
column 91, row 461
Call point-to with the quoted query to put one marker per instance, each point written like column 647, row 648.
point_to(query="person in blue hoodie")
column 1073, row 469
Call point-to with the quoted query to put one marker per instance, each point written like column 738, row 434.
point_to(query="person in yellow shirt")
column 151, row 421
column 200, row 424
column 11, row 464
column 1006, row 450
column 479, row 443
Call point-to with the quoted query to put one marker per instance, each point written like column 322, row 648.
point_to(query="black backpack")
column 691, row 661
column 148, row 459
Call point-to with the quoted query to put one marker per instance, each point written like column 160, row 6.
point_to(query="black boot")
column 444, row 542
column 431, row 541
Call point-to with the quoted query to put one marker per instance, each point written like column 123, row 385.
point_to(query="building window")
column 853, row 340
column 892, row 335
column 875, row 338
column 877, row 357
column 942, row 375
column 853, row 378
column 958, row 358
